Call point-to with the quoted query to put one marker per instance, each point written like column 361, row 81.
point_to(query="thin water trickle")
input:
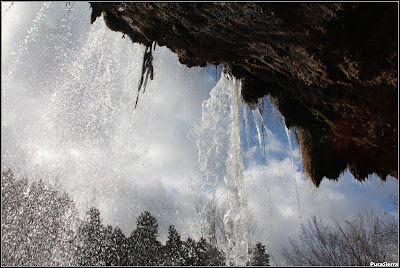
column 29, row 37
column 288, row 134
column 269, row 246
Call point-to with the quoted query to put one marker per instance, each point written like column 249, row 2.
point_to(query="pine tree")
column 173, row 253
column 259, row 257
column 37, row 224
column 190, row 253
column 215, row 256
column 201, row 253
column 13, row 203
column 109, row 246
column 91, row 237
column 120, row 254
column 208, row 255
column 144, row 248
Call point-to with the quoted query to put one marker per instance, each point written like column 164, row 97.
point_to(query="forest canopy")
column 41, row 227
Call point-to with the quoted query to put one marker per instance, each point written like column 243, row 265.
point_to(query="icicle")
column 290, row 145
column 269, row 133
column 260, row 143
column 261, row 126
column 246, row 123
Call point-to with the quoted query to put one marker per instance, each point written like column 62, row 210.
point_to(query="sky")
column 68, row 91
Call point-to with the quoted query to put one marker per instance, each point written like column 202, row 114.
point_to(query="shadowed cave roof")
column 330, row 68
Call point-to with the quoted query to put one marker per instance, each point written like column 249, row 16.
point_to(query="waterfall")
column 79, row 84
column 221, row 157
column 211, row 134
column 68, row 96
column 235, row 219
column 68, row 92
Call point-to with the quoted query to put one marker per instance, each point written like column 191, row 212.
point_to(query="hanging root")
column 147, row 69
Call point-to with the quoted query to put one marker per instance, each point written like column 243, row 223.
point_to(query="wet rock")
column 331, row 68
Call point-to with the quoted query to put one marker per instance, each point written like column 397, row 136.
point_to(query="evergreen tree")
column 208, row 255
column 215, row 256
column 144, row 248
column 173, row 253
column 109, row 246
column 13, row 203
column 37, row 224
column 38, row 229
column 259, row 257
column 201, row 253
column 190, row 253
column 120, row 253
column 91, row 236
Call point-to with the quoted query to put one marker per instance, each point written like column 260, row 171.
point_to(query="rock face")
column 330, row 68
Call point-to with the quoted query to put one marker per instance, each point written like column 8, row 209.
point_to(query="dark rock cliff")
column 330, row 68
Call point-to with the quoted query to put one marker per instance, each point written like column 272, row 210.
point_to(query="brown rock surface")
column 330, row 68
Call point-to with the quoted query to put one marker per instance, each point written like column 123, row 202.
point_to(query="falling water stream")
column 69, row 91
column 89, row 117
column 87, row 90
column 288, row 134
column 235, row 219
column 220, row 157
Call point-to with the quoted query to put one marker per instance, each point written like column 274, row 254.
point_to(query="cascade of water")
column 220, row 157
column 211, row 134
column 88, row 94
column 290, row 145
column 235, row 219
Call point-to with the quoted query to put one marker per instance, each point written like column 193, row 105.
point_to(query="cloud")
column 71, row 119
column 280, row 200
column 68, row 117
